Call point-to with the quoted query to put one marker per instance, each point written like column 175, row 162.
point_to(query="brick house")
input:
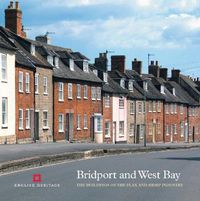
column 193, row 110
column 77, row 94
column 41, row 93
column 7, row 95
column 100, row 68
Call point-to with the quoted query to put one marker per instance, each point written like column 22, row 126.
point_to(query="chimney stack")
column 102, row 61
column 118, row 63
column 154, row 69
column 13, row 19
column 164, row 73
column 176, row 75
column 137, row 66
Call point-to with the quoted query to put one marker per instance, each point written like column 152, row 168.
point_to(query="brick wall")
column 75, row 106
column 24, row 101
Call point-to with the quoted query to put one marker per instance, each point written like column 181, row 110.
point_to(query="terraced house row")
column 50, row 93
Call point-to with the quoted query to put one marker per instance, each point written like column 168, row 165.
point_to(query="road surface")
column 173, row 175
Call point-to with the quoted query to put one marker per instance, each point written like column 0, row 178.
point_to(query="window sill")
column 78, row 98
column 93, row 99
column 107, row 136
column 45, row 128
column 21, row 92
column 107, row 106
column 28, row 92
column 45, row 94
column 4, row 127
column 70, row 98
column 21, row 129
column 99, row 99
column 131, row 135
column 28, row 128
column 61, row 101
column 120, row 135
column 61, row 132
column 85, row 128
column 78, row 129
column 4, row 81
column 85, row 98
column 37, row 93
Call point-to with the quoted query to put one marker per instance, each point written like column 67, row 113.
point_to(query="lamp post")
column 145, row 86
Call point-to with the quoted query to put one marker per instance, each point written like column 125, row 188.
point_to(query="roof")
column 5, row 45
column 182, row 94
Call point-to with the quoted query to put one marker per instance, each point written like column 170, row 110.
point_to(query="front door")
column 32, row 121
column 69, row 133
column 114, row 132
column 193, row 134
column 154, row 133
column 36, row 135
column 92, row 129
column 137, row 138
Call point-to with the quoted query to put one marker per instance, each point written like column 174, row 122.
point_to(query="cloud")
column 173, row 31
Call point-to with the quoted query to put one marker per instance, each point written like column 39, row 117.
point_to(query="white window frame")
column 85, row 122
column 93, row 93
column 45, row 123
column 27, row 117
column 154, row 106
column 70, row 90
column 98, row 93
column 85, row 66
column 78, row 91
column 107, row 100
column 130, row 85
column 61, row 123
column 27, row 83
column 159, row 106
column 21, row 126
column 45, row 85
column 36, row 83
column 71, row 64
column 121, row 128
column 107, row 129
column 105, row 77
column 4, row 112
column 60, row 91
column 50, row 59
column 131, row 129
column 122, row 83
column 21, row 81
column 140, row 105
column 121, row 103
column 150, row 106
column 85, row 91
column 56, row 62
column 3, row 61
column 32, row 49
column 78, row 122
column 98, row 124
column 95, row 72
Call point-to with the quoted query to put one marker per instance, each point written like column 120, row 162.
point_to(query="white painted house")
column 7, row 93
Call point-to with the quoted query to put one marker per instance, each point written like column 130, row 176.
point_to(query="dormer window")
column 130, row 85
column 122, row 83
column 162, row 89
column 145, row 85
column 85, row 66
column 71, row 64
column 56, row 61
column 105, row 77
column 95, row 72
column 32, row 49
column 50, row 60
column 174, row 91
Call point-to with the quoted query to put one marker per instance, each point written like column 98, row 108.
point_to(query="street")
column 172, row 175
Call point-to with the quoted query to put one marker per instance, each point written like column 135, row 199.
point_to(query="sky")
column 167, row 29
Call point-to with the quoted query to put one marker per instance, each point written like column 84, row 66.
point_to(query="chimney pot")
column 156, row 63
column 152, row 63
column 164, row 73
column 11, row 4
column 17, row 4
column 176, row 75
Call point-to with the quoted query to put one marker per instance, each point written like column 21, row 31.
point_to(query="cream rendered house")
column 7, row 93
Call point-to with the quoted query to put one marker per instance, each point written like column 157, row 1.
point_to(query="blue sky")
column 170, row 29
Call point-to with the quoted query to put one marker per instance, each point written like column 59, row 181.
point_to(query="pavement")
column 19, row 156
column 62, row 181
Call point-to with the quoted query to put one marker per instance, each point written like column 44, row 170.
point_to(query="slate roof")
column 23, row 56
column 182, row 94
column 5, row 45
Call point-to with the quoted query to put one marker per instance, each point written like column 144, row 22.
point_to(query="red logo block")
column 37, row 178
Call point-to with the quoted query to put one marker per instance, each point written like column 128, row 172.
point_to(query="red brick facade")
column 175, row 121
column 24, row 101
column 107, row 117
column 75, row 106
